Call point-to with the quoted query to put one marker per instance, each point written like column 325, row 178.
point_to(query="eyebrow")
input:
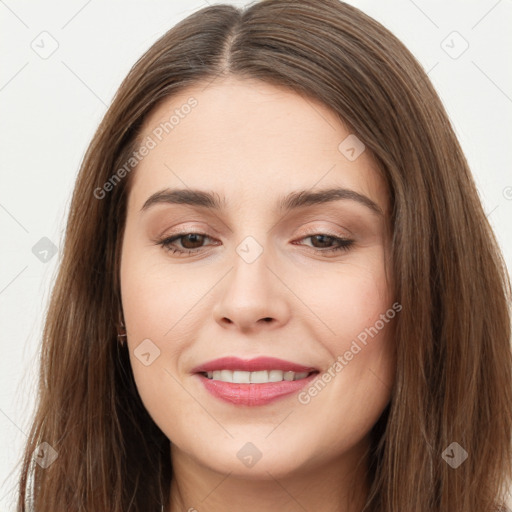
column 292, row 201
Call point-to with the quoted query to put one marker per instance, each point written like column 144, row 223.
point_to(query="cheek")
column 159, row 310
column 356, row 305
column 349, row 299
column 155, row 315
column 354, row 389
column 153, row 297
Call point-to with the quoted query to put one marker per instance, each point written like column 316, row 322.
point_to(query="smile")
column 253, row 382
column 259, row 377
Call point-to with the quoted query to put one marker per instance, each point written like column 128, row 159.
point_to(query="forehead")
column 247, row 138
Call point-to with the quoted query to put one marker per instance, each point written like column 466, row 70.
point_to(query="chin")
column 251, row 457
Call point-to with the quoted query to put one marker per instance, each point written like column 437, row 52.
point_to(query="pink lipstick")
column 253, row 382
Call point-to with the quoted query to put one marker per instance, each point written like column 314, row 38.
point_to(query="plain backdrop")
column 61, row 63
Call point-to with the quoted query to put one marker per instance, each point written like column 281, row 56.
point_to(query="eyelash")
column 344, row 244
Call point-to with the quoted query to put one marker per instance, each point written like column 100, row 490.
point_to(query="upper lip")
column 251, row 365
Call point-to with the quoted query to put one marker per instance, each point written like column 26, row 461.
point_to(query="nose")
column 252, row 297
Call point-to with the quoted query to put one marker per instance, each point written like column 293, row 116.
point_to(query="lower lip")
column 253, row 394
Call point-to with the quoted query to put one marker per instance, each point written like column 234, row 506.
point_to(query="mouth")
column 253, row 382
column 258, row 377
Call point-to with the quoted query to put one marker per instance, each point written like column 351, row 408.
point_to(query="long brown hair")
column 454, row 363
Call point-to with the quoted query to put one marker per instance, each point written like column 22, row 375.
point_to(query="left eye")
column 192, row 242
column 343, row 244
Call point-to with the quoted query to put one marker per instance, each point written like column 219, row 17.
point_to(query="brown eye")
column 189, row 242
column 192, row 240
column 325, row 241
column 328, row 244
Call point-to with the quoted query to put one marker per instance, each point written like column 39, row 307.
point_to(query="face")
column 261, row 275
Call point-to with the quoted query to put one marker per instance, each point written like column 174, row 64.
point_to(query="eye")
column 190, row 242
column 342, row 244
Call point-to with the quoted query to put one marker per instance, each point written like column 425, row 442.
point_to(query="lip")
column 253, row 394
column 252, row 365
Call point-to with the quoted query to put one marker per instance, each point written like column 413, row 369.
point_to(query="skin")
column 252, row 143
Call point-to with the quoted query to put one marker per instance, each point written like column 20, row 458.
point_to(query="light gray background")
column 52, row 106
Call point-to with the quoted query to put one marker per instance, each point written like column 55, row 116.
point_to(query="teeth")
column 260, row 377
column 226, row 376
column 275, row 376
column 288, row 375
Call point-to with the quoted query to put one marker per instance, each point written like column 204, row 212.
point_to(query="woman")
column 279, row 289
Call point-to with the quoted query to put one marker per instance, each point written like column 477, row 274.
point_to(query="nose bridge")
column 252, row 292
column 250, row 278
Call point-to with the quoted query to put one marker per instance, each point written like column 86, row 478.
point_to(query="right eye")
column 191, row 242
